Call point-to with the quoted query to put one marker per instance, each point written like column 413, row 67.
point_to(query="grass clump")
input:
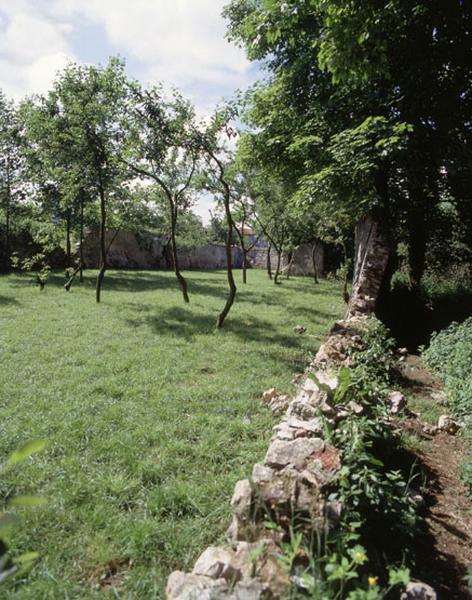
column 151, row 417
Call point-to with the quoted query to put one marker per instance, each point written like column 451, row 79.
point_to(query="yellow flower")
column 373, row 580
column 360, row 557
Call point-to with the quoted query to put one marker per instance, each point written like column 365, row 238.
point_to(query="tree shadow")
column 183, row 322
column 8, row 301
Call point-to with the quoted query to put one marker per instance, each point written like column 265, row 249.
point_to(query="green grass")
column 151, row 417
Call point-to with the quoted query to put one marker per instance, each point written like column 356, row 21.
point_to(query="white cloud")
column 177, row 42
column 32, row 50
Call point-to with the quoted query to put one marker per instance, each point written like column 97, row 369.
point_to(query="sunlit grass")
column 151, row 417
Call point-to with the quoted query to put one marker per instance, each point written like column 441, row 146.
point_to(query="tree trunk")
column 313, row 258
column 7, row 234
column 244, row 266
column 70, row 281
column 178, row 274
column 229, row 263
column 269, row 264
column 290, row 263
column 7, row 219
column 68, row 243
column 103, row 252
column 372, row 255
column 81, row 241
column 277, row 270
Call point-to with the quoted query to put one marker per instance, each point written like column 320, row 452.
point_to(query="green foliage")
column 21, row 564
column 36, row 263
column 449, row 355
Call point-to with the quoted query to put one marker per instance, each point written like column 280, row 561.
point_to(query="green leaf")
column 28, row 557
column 28, row 501
column 27, row 450
column 344, row 378
column 399, row 576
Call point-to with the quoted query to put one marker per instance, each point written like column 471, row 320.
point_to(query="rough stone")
column 218, row 563
column 448, row 425
column 302, row 410
column 242, row 499
column 396, row 402
column 327, row 378
column 356, row 408
column 187, row 586
column 417, row 590
column 269, row 395
column 279, row 405
column 283, row 431
column 314, row 426
column 296, row 452
column 299, row 329
column 262, row 473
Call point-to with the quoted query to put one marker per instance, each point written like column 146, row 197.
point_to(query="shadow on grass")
column 184, row 323
column 8, row 301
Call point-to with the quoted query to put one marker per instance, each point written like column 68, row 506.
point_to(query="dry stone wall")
column 290, row 487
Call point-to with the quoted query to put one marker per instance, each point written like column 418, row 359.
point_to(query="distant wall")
column 302, row 260
column 144, row 250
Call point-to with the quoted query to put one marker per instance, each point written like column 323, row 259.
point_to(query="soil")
column 444, row 552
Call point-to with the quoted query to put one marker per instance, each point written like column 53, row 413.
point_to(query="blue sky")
column 177, row 42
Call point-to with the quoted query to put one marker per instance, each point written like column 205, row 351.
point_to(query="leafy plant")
column 450, row 356
column 37, row 263
column 18, row 565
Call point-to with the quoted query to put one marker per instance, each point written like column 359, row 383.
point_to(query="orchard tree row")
column 101, row 150
column 362, row 126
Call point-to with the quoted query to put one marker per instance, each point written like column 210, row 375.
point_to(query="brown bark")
column 68, row 242
column 70, row 281
column 103, row 251
column 178, row 274
column 244, row 265
column 269, row 264
column 277, row 269
column 229, row 261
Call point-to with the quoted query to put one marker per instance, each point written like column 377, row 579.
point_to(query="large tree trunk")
column 372, row 255
column 229, row 263
column 178, row 274
column 269, row 263
column 103, row 251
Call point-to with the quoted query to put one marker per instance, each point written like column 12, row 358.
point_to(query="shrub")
column 450, row 357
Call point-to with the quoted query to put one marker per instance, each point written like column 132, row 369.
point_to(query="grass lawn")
column 151, row 417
